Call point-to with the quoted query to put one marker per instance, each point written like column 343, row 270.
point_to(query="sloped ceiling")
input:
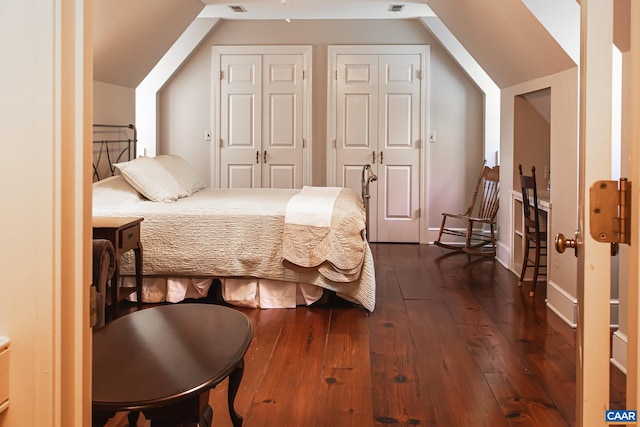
column 622, row 24
column 504, row 37
column 130, row 36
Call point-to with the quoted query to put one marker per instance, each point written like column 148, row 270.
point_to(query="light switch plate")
column 432, row 136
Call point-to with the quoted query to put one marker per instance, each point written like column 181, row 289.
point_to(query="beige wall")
column 562, row 288
column 531, row 142
column 113, row 104
column 456, row 110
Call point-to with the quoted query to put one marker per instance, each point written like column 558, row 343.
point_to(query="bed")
column 269, row 248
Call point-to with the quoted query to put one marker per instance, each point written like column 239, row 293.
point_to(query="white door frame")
column 332, row 60
column 633, row 297
column 594, row 265
column 306, row 52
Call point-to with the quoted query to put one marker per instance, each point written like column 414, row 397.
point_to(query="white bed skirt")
column 253, row 293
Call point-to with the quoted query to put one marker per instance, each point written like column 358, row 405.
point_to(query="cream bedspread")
column 222, row 233
column 324, row 228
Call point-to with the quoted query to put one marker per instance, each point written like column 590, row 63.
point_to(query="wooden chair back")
column 485, row 201
column 479, row 217
column 530, row 201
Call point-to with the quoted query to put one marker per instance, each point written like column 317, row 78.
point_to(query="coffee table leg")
column 133, row 417
column 234, row 384
column 207, row 417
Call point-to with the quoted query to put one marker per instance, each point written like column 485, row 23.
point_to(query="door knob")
column 563, row 243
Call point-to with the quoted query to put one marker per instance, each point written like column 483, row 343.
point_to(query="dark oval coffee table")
column 163, row 361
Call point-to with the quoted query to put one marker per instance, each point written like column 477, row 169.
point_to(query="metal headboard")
column 115, row 143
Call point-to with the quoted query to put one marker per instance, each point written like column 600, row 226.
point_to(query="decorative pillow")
column 114, row 189
column 151, row 179
column 182, row 172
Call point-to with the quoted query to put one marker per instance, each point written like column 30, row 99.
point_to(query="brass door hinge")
column 610, row 211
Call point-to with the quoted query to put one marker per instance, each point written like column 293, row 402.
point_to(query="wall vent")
column 237, row 8
column 396, row 8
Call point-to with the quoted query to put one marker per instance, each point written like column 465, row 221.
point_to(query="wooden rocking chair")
column 480, row 214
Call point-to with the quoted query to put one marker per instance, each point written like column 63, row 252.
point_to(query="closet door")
column 262, row 121
column 357, row 121
column 240, row 121
column 378, row 122
column 282, row 113
column 398, row 196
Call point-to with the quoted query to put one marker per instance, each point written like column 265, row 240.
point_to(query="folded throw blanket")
column 324, row 229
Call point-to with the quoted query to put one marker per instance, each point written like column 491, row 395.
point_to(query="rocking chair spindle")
column 480, row 214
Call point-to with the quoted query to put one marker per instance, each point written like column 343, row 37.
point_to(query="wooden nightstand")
column 124, row 234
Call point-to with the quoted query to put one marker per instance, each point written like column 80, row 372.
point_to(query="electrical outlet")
column 207, row 135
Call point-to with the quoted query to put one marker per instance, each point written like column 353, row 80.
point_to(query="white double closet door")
column 379, row 120
column 260, row 117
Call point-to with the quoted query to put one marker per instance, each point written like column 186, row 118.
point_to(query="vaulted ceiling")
column 504, row 37
column 130, row 37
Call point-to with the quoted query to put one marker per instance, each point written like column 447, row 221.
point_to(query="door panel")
column 357, row 120
column 240, row 176
column 357, row 123
column 240, row 120
column 357, row 116
column 378, row 122
column 397, row 204
column 281, row 176
column 282, row 118
column 351, row 176
column 398, row 123
column 399, row 145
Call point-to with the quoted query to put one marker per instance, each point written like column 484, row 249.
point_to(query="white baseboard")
column 432, row 235
column 614, row 305
column 619, row 351
column 503, row 255
column 563, row 304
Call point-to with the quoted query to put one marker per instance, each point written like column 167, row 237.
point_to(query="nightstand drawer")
column 129, row 237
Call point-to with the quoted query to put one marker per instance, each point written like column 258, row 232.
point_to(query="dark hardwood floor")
column 453, row 341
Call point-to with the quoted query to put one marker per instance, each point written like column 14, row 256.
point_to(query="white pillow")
column 182, row 172
column 115, row 188
column 151, row 179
